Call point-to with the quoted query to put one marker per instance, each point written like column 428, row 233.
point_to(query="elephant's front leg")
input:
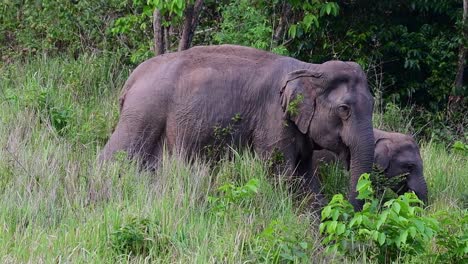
column 311, row 181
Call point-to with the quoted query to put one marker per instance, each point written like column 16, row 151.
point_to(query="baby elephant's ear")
column 382, row 153
column 298, row 94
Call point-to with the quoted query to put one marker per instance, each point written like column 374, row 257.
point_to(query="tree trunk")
column 158, row 32
column 191, row 15
column 167, row 39
column 462, row 49
column 282, row 24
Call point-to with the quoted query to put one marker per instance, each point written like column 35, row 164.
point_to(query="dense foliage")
column 408, row 48
column 397, row 230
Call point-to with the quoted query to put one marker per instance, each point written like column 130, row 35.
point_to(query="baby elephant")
column 395, row 154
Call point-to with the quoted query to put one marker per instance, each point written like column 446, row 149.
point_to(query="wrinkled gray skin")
column 178, row 98
column 396, row 154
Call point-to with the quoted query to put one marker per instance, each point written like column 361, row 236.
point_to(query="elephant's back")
column 228, row 56
column 212, row 84
column 230, row 62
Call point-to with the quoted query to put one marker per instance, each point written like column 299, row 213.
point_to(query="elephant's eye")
column 408, row 167
column 343, row 111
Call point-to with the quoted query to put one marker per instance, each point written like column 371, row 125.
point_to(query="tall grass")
column 58, row 205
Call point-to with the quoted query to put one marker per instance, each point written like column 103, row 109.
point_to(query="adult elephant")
column 396, row 154
column 269, row 102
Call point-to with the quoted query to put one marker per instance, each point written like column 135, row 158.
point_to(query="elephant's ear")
column 382, row 153
column 298, row 93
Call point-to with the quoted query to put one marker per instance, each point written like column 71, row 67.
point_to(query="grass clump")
column 139, row 236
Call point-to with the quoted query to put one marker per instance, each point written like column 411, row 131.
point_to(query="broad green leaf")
column 340, row 229
column 335, row 214
column 337, row 198
column 403, row 236
column 332, row 227
column 398, row 242
column 382, row 219
column 308, row 19
column 328, row 8
column 412, row 231
column 375, row 235
column 382, row 238
column 326, row 212
column 359, row 219
column 147, row 10
column 419, row 225
column 364, row 194
column 335, row 9
column 396, row 207
column 322, row 227
column 292, row 31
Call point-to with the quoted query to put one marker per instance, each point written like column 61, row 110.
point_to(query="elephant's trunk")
column 417, row 183
column 362, row 157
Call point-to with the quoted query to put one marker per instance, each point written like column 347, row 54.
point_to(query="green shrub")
column 396, row 229
column 139, row 236
column 230, row 195
column 243, row 24
column 281, row 243
column 60, row 118
column 52, row 26
column 460, row 147
column 452, row 238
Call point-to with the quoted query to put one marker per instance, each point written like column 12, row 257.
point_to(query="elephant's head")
column 331, row 104
column 398, row 154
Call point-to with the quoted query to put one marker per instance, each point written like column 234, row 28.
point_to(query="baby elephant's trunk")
column 417, row 184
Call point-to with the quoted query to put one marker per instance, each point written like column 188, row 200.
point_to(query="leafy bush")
column 416, row 59
column 139, row 236
column 452, row 238
column 230, row 195
column 281, row 243
column 460, row 147
column 60, row 118
column 393, row 230
column 57, row 26
column 244, row 24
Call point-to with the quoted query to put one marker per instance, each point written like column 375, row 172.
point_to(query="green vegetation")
column 293, row 106
column 382, row 230
column 58, row 205
column 410, row 50
column 63, row 64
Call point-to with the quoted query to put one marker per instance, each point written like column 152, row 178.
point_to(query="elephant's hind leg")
column 137, row 139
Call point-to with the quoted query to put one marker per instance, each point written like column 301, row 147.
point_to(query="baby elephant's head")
column 398, row 154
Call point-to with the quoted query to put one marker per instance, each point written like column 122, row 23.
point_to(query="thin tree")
column 462, row 50
column 158, row 31
column 191, row 16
